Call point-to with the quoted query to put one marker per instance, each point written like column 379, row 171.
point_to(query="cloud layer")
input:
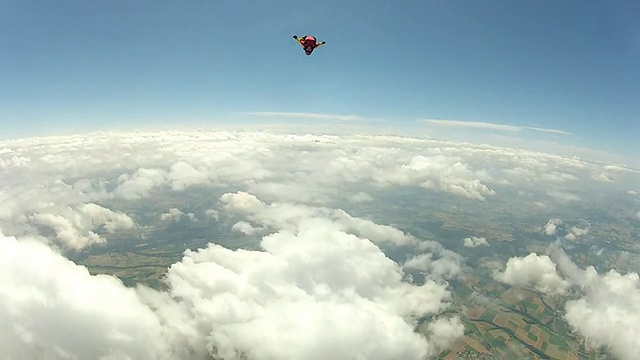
column 50, row 181
column 320, row 282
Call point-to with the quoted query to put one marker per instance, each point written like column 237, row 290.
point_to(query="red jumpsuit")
column 309, row 43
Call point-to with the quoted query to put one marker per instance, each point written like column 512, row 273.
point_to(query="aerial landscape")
column 157, row 205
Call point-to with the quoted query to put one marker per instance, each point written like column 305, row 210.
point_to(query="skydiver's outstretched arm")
column 299, row 40
column 320, row 44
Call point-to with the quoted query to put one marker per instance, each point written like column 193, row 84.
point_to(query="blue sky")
column 79, row 65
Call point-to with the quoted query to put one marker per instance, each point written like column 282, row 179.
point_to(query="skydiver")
column 309, row 43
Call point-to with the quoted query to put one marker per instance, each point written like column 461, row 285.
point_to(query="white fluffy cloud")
column 76, row 228
column 447, row 266
column 534, row 271
column 280, row 302
column 575, row 232
column 175, row 214
column 475, row 241
column 607, row 312
column 289, row 216
column 316, row 291
column 552, row 226
column 571, row 233
column 51, row 308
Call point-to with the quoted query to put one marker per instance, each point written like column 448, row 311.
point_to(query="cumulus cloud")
column 444, row 331
column 607, row 311
column 475, row 241
column 571, row 233
column 77, row 228
column 318, row 289
column 443, row 173
column 139, row 184
column 281, row 302
column 534, row 271
column 552, row 226
column 575, row 232
column 446, row 266
column 212, row 213
column 245, row 228
column 172, row 215
column 175, row 214
column 289, row 216
column 52, row 308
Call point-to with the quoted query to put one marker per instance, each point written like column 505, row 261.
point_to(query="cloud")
column 53, row 308
column 213, row 213
column 473, row 124
column 245, row 228
column 453, row 176
column 534, row 271
column 311, row 276
column 311, row 262
column 571, row 233
column 444, row 331
column 575, row 232
column 319, row 288
column 44, row 177
column 175, row 214
column 140, row 184
column 289, row 216
column 443, row 265
column 304, row 115
column 360, row 197
column 78, row 227
column 489, row 126
column 564, row 196
column 607, row 312
column 551, row 131
column 475, row 241
column 172, row 215
column 552, row 226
